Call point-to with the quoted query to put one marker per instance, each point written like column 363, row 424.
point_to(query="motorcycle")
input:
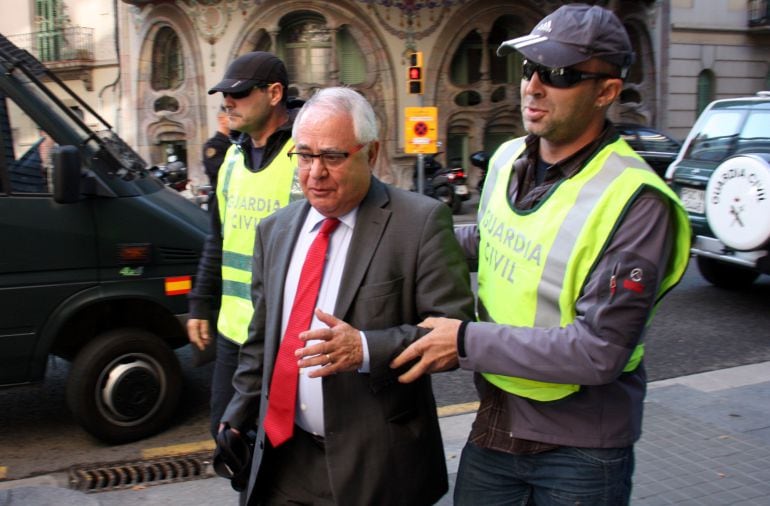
column 480, row 159
column 173, row 174
column 445, row 184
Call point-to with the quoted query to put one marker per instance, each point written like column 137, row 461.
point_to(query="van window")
column 717, row 137
column 30, row 168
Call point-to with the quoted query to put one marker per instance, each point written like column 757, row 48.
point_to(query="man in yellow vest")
column 255, row 179
column 577, row 241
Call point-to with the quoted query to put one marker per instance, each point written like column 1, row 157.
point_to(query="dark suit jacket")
column 383, row 442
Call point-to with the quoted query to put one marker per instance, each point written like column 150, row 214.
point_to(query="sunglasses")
column 558, row 77
column 237, row 95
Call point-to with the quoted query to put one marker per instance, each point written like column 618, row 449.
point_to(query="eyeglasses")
column 558, row 77
column 237, row 95
column 330, row 159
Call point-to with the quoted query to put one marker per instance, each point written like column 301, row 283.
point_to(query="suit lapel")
column 370, row 224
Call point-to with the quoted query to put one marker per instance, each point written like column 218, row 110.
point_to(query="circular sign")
column 737, row 202
column 420, row 129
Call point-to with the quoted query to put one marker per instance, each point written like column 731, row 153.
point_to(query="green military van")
column 722, row 175
column 96, row 256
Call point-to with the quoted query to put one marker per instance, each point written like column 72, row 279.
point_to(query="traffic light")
column 414, row 75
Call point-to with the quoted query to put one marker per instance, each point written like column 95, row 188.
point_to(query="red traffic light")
column 414, row 75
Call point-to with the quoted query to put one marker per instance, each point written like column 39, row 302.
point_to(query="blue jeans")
column 566, row 475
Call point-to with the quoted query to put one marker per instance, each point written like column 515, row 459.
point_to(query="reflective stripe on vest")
column 245, row 198
column 538, row 260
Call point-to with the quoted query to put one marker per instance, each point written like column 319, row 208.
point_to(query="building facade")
column 714, row 49
column 146, row 65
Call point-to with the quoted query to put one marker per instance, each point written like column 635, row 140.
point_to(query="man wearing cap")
column 577, row 241
column 255, row 179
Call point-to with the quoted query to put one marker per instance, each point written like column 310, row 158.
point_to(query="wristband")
column 461, row 338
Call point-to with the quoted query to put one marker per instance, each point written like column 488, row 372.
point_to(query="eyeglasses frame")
column 320, row 156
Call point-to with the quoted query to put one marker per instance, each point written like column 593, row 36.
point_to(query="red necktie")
column 279, row 421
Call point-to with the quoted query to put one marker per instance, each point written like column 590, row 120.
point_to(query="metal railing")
column 759, row 13
column 74, row 43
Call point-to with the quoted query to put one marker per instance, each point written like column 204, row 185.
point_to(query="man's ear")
column 374, row 149
column 276, row 91
column 609, row 92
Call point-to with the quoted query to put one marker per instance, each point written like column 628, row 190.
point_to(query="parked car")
column 657, row 148
column 722, row 175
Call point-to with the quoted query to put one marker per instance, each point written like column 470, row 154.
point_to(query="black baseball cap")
column 252, row 69
column 572, row 34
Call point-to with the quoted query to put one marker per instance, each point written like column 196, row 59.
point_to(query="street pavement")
column 706, row 441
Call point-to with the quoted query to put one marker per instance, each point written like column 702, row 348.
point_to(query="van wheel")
column 124, row 385
column 725, row 275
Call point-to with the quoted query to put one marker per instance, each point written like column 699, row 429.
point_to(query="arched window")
column 167, row 60
column 351, row 60
column 506, row 69
column 306, row 46
column 263, row 42
column 466, row 62
column 705, row 92
column 498, row 131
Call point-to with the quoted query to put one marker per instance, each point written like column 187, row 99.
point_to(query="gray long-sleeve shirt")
column 592, row 351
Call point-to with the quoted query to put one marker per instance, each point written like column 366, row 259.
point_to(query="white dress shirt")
column 309, row 412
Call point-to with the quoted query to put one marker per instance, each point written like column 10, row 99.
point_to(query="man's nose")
column 533, row 86
column 318, row 168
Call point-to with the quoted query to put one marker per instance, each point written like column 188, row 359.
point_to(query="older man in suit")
column 356, row 436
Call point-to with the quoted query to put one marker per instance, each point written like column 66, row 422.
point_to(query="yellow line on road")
column 458, row 409
column 180, row 449
column 209, row 445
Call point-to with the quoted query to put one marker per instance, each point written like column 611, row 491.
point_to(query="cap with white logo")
column 573, row 34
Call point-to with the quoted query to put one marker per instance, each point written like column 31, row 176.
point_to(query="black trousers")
column 294, row 473
column 222, row 380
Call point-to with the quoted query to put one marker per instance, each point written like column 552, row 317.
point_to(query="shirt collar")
column 314, row 219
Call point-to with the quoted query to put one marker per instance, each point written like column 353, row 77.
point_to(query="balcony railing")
column 72, row 44
column 759, row 13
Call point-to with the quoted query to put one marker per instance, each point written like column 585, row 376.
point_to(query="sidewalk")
column 706, row 442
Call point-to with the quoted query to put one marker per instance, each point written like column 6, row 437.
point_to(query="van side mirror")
column 66, row 174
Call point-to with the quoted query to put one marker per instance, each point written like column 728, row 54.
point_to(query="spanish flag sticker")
column 179, row 285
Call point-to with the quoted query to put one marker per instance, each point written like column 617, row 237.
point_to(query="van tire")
column 124, row 385
column 725, row 275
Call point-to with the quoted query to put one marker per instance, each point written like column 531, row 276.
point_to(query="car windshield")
column 755, row 135
column 715, row 140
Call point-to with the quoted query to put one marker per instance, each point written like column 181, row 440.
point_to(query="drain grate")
column 108, row 477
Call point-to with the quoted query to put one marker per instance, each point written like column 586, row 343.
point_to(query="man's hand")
column 340, row 351
column 437, row 350
column 198, row 331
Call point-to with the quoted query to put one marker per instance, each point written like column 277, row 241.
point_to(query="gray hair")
column 341, row 99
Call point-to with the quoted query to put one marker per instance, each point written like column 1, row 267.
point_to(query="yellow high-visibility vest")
column 533, row 264
column 245, row 198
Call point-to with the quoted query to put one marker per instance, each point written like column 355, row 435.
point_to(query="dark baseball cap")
column 572, row 34
column 252, row 69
